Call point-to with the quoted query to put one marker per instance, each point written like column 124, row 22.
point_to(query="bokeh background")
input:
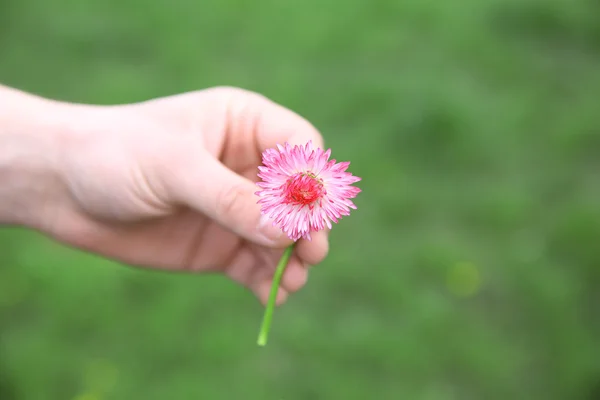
column 471, row 269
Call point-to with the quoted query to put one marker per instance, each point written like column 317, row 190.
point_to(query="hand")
column 169, row 183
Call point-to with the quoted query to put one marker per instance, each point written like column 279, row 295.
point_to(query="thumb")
column 204, row 184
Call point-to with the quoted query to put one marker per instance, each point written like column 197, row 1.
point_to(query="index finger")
column 276, row 124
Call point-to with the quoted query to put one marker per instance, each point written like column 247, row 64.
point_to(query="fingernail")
column 266, row 229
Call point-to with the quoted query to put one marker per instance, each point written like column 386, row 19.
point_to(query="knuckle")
column 237, row 93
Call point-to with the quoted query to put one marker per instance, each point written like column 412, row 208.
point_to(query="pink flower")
column 303, row 191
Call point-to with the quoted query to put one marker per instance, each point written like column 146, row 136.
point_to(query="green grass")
column 471, row 269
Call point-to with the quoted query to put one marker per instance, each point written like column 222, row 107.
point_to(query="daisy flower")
column 303, row 190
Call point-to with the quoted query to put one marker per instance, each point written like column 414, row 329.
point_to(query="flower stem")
column 268, row 315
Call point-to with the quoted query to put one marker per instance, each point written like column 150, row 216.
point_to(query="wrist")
column 32, row 138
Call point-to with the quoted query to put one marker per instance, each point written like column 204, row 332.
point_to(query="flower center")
column 303, row 188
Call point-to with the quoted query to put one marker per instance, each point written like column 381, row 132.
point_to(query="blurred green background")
column 471, row 269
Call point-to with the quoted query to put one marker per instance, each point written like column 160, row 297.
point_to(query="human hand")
column 169, row 183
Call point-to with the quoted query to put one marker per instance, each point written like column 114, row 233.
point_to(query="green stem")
column 268, row 316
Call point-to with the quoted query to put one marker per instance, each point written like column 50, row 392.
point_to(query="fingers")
column 272, row 123
column 275, row 125
column 252, row 272
column 295, row 275
column 314, row 252
column 279, row 125
column 262, row 290
column 204, row 184
column 294, row 278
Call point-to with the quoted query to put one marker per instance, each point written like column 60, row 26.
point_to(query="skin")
column 167, row 183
